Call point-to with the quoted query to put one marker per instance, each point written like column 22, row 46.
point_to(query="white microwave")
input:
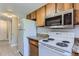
column 64, row 19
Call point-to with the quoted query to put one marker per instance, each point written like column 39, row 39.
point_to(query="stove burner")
column 62, row 44
column 65, row 41
column 45, row 40
column 50, row 39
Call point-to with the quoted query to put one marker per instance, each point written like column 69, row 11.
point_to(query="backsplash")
column 46, row 30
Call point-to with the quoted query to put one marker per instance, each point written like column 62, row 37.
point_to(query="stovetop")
column 63, row 43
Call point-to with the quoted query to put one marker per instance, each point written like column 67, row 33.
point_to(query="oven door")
column 46, row 51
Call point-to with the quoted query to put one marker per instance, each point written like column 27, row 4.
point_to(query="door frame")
column 9, row 35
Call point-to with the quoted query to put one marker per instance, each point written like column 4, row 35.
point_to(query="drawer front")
column 34, row 42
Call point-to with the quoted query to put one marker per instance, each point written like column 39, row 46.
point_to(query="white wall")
column 46, row 30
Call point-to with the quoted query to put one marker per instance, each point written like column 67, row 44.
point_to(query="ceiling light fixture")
column 8, row 13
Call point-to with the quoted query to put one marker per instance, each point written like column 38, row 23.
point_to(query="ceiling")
column 20, row 9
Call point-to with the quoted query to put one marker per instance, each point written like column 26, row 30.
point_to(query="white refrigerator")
column 27, row 28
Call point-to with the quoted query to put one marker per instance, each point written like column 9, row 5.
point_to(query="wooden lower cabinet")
column 33, row 50
column 33, row 47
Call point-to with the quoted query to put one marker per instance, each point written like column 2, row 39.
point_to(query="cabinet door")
column 33, row 15
column 76, row 7
column 28, row 16
column 33, row 48
column 50, row 10
column 68, row 6
column 40, row 20
column 60, row 7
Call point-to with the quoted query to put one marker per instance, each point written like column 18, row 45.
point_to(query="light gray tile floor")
column 7, row 50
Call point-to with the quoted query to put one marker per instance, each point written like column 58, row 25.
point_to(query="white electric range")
column 58, row 44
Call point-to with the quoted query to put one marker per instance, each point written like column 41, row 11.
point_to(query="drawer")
column 34, row 42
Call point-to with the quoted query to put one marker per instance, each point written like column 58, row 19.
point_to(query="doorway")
column 3, row 30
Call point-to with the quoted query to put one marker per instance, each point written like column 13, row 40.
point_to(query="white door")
column 3, row 30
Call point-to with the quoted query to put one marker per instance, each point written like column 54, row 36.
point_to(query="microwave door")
column 54, row 21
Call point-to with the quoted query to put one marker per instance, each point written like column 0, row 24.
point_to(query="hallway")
column 7, row 50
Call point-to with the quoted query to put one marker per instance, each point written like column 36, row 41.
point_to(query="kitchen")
column 64, row 31
column 50, row 29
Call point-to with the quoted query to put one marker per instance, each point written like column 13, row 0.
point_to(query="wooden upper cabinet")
column 33, row 15
column 59, row 7
column 76, row 7
column 40, row 20
column 68, row 6
column 50, row 10
column 28, row 16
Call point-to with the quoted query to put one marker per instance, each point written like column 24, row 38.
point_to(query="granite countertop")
column 36, row 38
column 39, row 37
